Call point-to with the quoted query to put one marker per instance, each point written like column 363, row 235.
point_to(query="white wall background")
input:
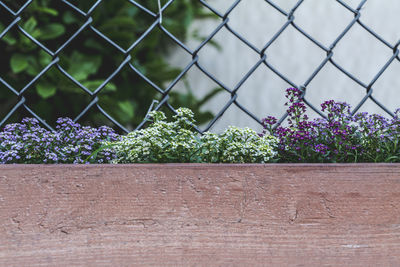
column 297, row 57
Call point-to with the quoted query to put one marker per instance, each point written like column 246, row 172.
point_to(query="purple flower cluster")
column 28, row 142
column 340, row 137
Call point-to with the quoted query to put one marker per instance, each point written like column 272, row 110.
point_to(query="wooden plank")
column 200, row 215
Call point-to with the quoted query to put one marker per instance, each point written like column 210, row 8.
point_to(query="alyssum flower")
column 340, row 137
column 28, row 142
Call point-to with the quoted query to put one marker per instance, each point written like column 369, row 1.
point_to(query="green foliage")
column 18, row 63
column 177, row 141
column 91, row 60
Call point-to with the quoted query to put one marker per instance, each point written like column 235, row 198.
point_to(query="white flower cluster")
column 161, row 142
column 177, row 141
column 237, row 145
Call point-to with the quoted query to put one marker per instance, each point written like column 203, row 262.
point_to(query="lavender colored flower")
column 28, row 142
column 340, row 137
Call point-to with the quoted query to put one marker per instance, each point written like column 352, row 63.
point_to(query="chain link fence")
column 224, row 19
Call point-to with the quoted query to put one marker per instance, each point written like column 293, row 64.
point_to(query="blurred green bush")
column 90, row 59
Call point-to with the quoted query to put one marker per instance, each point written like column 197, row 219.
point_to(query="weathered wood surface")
column 200, row 215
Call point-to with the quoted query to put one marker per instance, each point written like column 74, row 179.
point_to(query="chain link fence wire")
column 224, row 19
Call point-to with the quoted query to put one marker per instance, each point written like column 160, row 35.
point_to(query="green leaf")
column 392, row 159
column 46, row 90
column 51, row 31
column 91, row 43
column 189, row 16
column 33, row 66
column 110, row 87
column 36, row 33
column 93, row 85
column 30, row 24
column 47, row 10
column 132, row 11
column 18, row 63
column 69, row 18
column 127, row 107
column 117, row 23
column 44, row 58
column 82, row 66
column 10, row 40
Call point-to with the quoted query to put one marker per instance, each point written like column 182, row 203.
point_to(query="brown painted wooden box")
column 200, row 215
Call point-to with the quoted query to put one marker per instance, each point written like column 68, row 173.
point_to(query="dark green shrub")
column 91, row 60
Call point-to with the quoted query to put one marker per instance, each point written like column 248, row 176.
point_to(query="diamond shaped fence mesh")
column 224, row 19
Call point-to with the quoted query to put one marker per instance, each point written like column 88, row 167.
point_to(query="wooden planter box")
column 200, row 215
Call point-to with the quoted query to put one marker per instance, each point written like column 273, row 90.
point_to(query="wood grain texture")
column 200, row 215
